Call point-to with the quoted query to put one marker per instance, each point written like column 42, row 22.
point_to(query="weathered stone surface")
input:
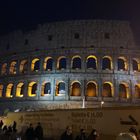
column 96, row 37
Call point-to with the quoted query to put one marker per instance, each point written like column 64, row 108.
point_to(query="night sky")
column 25, row 15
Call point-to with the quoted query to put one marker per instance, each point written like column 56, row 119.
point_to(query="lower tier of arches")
column 74, row 88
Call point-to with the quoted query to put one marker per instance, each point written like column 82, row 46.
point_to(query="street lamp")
column 102, row 102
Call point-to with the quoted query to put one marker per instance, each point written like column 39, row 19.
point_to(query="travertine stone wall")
column 91, row 41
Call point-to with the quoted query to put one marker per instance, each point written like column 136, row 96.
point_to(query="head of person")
column 133, row 130
column 39, row 123
column 94, row 132
column 69, row 130
column 31, row 125
column 82, row 131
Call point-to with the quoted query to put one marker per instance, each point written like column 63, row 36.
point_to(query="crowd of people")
column 10, row 132
column 36, row 133
column 31, row 133
column 67, row 135
column 131, row 134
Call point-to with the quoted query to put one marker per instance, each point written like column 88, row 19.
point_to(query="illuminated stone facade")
column 58, row 65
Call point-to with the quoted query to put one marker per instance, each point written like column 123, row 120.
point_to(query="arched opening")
column 91, row 62
column 75, row 89
column 32, row 88
column 48, row 64
column 91, row 90
column 35, row 66
column 20, row 90
column 1, row 90
column 107, row 89
column 123, row 90
column 12, row 69
column 46, row 89
column 9, row 90
column 122, row 64
column 4, row 69
column 76, row 62
column 107, row 63
column 135, row 65
column 137, row 91
column 60, row 89
column 23, row 66
column 61, row 63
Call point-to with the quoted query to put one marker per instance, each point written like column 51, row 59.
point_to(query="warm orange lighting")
column 9, row 90
column 31, row 93
column 19, row 89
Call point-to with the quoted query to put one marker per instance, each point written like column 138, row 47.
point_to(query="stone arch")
column 9, row 90
column 48, row 64
column 61, row 63
column 107, row 63
column 46, row 89
column 76, row 62
column 91, row 62
column 60, row 88
column 13, row 67
column 23, row 68
column 1, row 90
column 35, row 65
column 122, row 64
column 108, row 89
column 32, row 88
column 20, row 89
column 4, row 69
column 91, row 89
column 137, row 91
column 135, row 64
column 123, row 90
column 75, row 88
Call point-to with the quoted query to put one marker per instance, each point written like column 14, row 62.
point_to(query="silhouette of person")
column 67, row 134
column 39, row 132
column 5, row 128
column 134, row 131
column 93, row 135
column 14, row 126
column 82, row 135
column 1, row 124
column 30, row 133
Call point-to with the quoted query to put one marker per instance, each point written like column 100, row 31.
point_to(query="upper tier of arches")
column 91, row 62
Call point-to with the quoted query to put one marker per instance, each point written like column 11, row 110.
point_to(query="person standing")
column 93, row 135
column 39, row 132
column 67, row 134
column 1, row 124
column 14, row 126
column 30, row 133
column 82, row 135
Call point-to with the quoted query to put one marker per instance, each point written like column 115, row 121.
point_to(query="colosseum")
column 70, row 64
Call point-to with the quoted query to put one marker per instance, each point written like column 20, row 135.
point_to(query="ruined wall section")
column 97, row 33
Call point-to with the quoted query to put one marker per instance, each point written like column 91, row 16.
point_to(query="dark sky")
column 18, row 14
